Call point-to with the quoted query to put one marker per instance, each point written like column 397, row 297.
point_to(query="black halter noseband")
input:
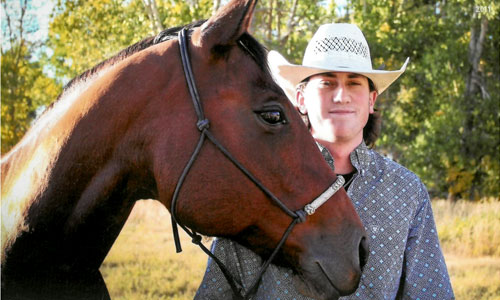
column 203, row 126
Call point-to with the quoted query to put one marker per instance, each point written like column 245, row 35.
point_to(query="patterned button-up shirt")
column 405, row 262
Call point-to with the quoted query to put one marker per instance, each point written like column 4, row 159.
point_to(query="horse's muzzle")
column 330, row 274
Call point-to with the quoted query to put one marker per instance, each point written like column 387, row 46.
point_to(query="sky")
column 42, row 11
column 37, row 19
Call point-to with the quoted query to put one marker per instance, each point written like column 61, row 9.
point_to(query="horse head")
column 251, row 116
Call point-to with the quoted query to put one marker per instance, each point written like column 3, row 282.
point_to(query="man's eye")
column 272, row 117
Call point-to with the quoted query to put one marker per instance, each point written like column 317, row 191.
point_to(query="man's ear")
column 299, row 98
column 226, row 26
column 372, row 99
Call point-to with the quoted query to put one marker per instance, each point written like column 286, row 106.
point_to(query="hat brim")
column 289, row 75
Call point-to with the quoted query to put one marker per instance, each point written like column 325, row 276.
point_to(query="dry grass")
column 470, row 238
column 474, row 277
column 468, row 228
column 143, row 263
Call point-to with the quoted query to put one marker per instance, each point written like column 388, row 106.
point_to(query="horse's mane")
column 165, row 35
column 246, row 42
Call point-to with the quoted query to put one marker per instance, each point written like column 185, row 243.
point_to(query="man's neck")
column 341, row 152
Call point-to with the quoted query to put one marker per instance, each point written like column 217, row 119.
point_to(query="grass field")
column 470, row 237
column 143, row 263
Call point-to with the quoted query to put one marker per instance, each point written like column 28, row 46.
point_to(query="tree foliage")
column 287, row 25
column 441, row 118
column 83, row 33
column 25, row 87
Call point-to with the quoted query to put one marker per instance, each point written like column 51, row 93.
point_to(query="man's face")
column 338, row 105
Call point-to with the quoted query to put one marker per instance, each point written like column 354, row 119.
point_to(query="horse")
column 125, row 130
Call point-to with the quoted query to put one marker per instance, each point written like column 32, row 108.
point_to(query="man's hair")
column 371, row 131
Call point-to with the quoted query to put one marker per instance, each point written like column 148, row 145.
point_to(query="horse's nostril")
column 363, row 252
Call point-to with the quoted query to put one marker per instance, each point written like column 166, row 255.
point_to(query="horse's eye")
column 273, row 117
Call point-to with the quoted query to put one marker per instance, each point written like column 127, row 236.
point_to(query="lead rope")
column 203, row 125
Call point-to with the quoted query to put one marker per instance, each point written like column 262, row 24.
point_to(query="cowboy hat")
column 333, row 48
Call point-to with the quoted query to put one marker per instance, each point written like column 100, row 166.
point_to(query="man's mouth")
column 341, row 111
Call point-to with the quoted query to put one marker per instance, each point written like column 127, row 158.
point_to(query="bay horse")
column 124, row 131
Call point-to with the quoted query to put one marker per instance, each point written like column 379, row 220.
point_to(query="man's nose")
column 340, row 96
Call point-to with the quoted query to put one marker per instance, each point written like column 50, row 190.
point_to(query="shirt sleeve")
column 425, row 275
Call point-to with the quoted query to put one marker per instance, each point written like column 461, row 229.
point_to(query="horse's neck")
column 32, row 157
column 27, row 168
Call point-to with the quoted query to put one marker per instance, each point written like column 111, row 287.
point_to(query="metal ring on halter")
column 311, row 208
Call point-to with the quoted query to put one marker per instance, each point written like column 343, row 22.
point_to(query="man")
column 335, row 89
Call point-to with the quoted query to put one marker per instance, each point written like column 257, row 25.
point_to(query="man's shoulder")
column 395, row 182
column 382, row 164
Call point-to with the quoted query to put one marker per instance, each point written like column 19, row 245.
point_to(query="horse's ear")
column 227, row 25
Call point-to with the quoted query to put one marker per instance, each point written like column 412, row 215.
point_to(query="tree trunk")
column 154, row 16
column 270, row 21
column 216, row 6
column 475, row 91
column 290, row 25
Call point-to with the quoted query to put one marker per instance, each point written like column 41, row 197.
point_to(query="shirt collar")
column 360, row 158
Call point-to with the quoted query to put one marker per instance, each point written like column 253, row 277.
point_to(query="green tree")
column 288, row 25
column 25, row 87
column 441, row 118
column 84, row 33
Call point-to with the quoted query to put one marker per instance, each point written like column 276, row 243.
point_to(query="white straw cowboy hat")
column 333, row 48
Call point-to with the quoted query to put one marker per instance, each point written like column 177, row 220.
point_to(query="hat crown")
column 338, row 46
column 333, row 48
